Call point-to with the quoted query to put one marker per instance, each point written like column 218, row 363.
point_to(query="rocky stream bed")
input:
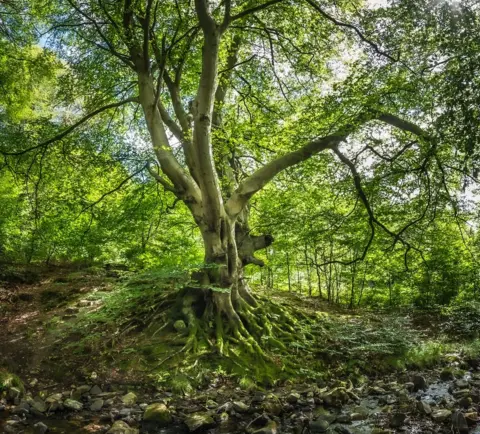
column 437, row 401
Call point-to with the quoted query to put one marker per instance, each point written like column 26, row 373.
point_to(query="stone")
column 293, row 398
column 424, row 408
column 269, row 428
column 342, row 430
column 465, row 402
column 225, row 408
column 95, row 390
column 344, row 418
column 40, row 428
column 79, row 391
column 158, row 413
column 447, row 375
column 361, row 412
column 14, row 393
column 71, row 404
column 336, row 397
column 441, row 415
column 462, row 384
column 272, row 407
column 397, row 420
column 125, row 412
column 96, row 404
column 321, row 413
column 409, row 386
column 459, row 422
column 319, row 426
column 419, row 383
column 461, row 393
column 471, row 417
column 56, row 397
column 358, row 416
column 129, row 399
column 39, row 404
column 240, row 407
column 376, row 390
column 196, row 421
column 22, row 409
column 211, row 404
column 179, row 326
column 258, row 397
column 121, row 427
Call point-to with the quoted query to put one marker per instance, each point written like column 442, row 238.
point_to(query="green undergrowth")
column 7, row 380
column 126, row 329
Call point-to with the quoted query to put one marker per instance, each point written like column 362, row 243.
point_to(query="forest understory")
column 75, row 357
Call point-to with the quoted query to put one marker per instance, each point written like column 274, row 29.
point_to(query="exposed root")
column 243, row 332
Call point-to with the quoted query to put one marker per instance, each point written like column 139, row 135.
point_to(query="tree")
column 214, row 81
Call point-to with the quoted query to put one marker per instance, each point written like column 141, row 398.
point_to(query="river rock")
column 424, row 407
column 129, row 399
column 14, row 393
column 344, row 418
column 269, row 428
column 322, row 413
column 342, row 430
column 22, row 409
column 40, row 428
column 56, row 397
column 462, row 384
column 71, row 404
column 273, row 407
column 471, row 417
column 441, row 415
column 199, row 420
column 293, row 398
column 465, row 402
column 95, row 390
column 121, row 427
column 459, row 422
column 38, row 404
column 158, row 413
column 258, row 398
column 419, row 383
column 96, row 404
column 319, row 426
column 79, row 391
column 447, row 375
column 240, row 407
column 398, row 419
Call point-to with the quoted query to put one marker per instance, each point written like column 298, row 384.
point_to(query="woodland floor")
column 62, row 332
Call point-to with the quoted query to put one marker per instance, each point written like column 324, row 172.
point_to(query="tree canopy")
column 194, row 134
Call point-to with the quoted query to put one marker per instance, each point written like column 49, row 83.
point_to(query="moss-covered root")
column 242, row 332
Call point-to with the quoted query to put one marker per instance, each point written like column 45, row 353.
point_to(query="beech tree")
column 229, row 95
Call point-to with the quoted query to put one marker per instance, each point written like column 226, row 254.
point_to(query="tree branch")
column 161, row 180
column 118, row 187
column 352, row 27
column 262, row 176
column 68, row 130
column 254, row 9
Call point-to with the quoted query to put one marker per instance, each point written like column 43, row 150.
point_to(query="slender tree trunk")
column 309, row 280
column 288, row 273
